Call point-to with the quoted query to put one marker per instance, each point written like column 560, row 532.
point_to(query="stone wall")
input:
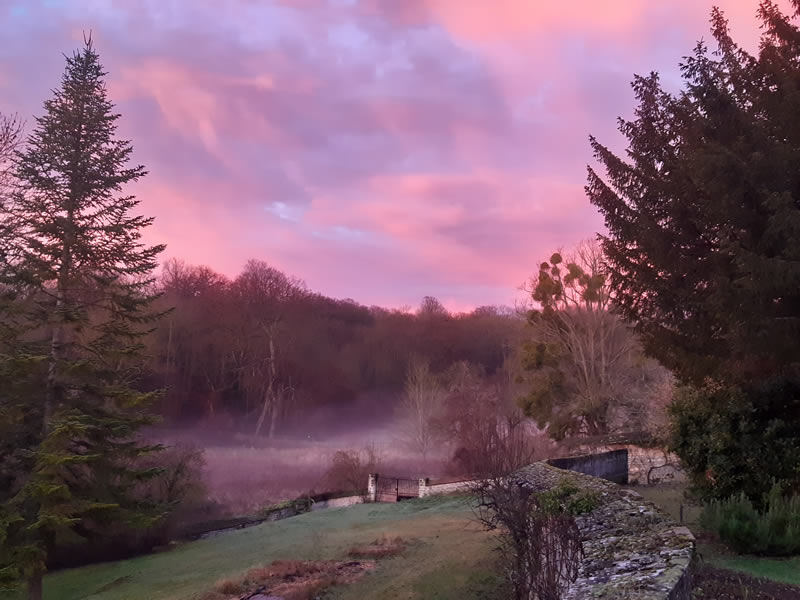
column 646, row 465
column 633, row 551
column 612, row 466
column 337, row 502
column 428, row 487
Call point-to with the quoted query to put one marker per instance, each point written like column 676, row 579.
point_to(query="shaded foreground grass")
column 670, row 497
column 447, row 556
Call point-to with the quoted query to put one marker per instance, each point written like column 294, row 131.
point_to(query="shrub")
column 540, row 546
column 773, row 531
column 568, row 498
column 350, row 469
column 738, row 438
column 228, row 586
column 179, row 486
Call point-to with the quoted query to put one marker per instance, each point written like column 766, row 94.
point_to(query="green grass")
column 669, row 497
column 786, row 570
column 448, row 556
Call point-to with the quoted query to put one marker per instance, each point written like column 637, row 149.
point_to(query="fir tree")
column 83, row 277
column 703, row 214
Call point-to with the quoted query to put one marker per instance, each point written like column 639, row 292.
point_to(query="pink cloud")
column 509, row 20
column 380, row 149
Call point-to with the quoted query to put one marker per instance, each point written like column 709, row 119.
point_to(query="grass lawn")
column 670, row 497
column 448, row 556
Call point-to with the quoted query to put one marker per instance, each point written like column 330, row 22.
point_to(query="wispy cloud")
column 379, row 149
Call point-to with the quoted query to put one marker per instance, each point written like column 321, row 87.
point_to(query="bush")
column 568, row 498
column 179, row 487
column 775, row 531
column 739, row 439
column 540, row 546
column 228, row 587
column 350, row 469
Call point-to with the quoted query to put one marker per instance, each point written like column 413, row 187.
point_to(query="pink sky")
column 380, row 150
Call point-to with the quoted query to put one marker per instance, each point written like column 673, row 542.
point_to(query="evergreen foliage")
column 78, row 277
column 703, row 214
column 703, row 250
column 739, row 439
column 773, row 531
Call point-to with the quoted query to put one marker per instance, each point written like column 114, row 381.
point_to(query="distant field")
column 448, row 557
column 245, row 479
column 244, row 475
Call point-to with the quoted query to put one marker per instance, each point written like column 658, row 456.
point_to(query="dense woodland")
column 262, row 351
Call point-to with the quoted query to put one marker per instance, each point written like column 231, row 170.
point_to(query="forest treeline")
column 257, row 352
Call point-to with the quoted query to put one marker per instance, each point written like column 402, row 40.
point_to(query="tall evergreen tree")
column 77, row 258
column 703, row 214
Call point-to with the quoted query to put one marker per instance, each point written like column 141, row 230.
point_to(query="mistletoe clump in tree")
column 703, row 244
column 584, row 368
column 81, row 279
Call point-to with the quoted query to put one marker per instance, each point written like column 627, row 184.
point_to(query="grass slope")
column 448, row 557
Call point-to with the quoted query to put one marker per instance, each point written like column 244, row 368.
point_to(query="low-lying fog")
column 244, row 473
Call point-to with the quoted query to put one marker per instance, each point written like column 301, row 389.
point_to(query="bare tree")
column 266, row 296
column 539, row 544
column 421, row 408
column 10, row 139
column 350, row 469
column 485, row 428
column 197, row 351
column 584, row 360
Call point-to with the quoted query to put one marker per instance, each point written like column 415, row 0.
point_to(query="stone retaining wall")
column 428, row 487
column 612, row 466
column 646, row 465
column 633, row 551
column 337, row 502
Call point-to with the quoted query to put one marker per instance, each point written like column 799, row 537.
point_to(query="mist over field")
column 243, row 474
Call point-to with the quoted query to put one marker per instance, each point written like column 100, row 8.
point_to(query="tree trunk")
column 276, row 408
column 269, row 401
column 35, row 586
column 53, row 394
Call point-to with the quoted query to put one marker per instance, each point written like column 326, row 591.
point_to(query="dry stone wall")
column 632, row 550
column 646, row 464
column 612, row 466
column 337, row 502
column 428, row 487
